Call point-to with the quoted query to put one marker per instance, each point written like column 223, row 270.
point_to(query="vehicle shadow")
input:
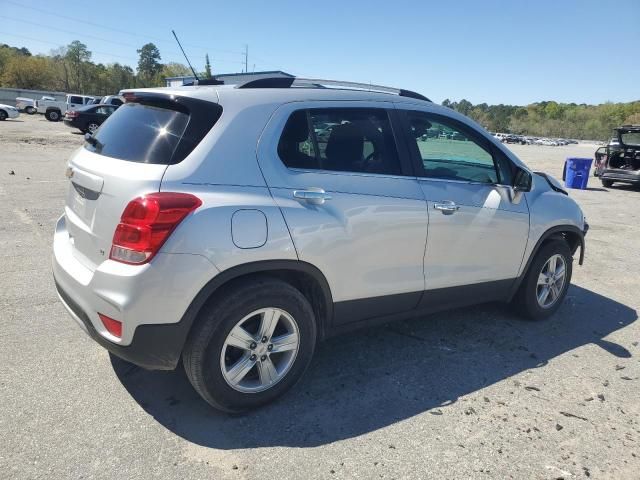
column 370, row 379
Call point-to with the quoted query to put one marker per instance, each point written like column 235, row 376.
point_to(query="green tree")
column 27, row 72
column 464, row 107
column 149, row 66
column 173, row 69
column 207, row 67
column 77, row 56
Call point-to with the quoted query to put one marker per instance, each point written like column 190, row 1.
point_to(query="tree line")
column 552, row 119
column 70, row 69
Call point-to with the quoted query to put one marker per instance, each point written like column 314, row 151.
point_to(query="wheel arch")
column 569, row 233
column 302, row 275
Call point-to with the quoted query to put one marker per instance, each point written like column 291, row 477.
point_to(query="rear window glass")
column 140, row 133
column 630, row 138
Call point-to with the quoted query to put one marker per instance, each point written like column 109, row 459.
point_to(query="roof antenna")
column 197, row 81
column 195, row 75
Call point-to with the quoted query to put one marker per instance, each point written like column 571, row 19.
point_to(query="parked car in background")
column 28, row 105
column 513, row 139
column 54, row 110
column 108, row 100
column 87, row 119
column 233, row 242
column 622, row 162
column 500, row 136
column 7, row 111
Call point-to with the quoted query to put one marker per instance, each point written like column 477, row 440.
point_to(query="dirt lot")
column 475, row 393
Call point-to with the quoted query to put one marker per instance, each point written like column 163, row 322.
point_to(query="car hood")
column 553, row 182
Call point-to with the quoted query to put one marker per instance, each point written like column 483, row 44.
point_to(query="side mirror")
column 522, row 181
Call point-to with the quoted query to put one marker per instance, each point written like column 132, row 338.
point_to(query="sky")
column 511, row 52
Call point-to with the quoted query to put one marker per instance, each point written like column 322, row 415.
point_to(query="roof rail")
column 298, row 82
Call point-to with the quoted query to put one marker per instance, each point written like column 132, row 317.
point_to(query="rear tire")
column 606, row 183
column 30, row 110
column 530, row 300
column 210, row 360
column 52, row 115
column 3, row 115
column 92, row 127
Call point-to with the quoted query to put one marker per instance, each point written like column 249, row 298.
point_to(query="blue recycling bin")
column 577, row 172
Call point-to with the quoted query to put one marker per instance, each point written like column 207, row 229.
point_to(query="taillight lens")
column 146, row 224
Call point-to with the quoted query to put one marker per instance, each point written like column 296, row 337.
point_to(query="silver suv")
column 234, row 227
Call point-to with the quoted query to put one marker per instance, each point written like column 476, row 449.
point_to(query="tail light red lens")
column 114, row 327
column 147, row 222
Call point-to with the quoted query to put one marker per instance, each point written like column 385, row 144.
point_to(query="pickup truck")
column 28, row 105
column 54, row 110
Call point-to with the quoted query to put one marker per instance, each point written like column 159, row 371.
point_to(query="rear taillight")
column 146, row 224
column 71, row 114
column 114, row 327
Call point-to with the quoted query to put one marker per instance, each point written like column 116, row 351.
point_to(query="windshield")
column 630, row 138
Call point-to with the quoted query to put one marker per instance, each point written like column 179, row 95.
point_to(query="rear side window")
column 340, row 139
column 155, row 130
column 74, row 99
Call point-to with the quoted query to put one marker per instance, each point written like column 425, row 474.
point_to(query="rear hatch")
column 624, row 155
column 125, row 159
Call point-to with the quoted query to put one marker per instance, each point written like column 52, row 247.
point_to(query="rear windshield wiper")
column 93, row 141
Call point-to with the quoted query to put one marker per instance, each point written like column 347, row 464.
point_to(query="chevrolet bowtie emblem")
column 69, row 172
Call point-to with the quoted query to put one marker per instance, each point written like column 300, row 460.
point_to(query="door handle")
column 447, row 207
column 312, row 196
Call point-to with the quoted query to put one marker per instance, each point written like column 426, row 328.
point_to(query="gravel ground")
column 475, row 393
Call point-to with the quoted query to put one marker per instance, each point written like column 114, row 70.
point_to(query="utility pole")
column 246, row 58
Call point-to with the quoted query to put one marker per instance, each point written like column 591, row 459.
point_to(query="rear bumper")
column 70, row 123
column 154, row 347
column 626, row 176
column 150, row 300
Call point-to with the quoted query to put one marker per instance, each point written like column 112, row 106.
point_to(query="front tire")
column 606, row 183
column 250, row 344
column 546, row 282
column 3, row 115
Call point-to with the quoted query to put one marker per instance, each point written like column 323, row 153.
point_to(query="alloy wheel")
column 260, row 350
column 551, row 281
